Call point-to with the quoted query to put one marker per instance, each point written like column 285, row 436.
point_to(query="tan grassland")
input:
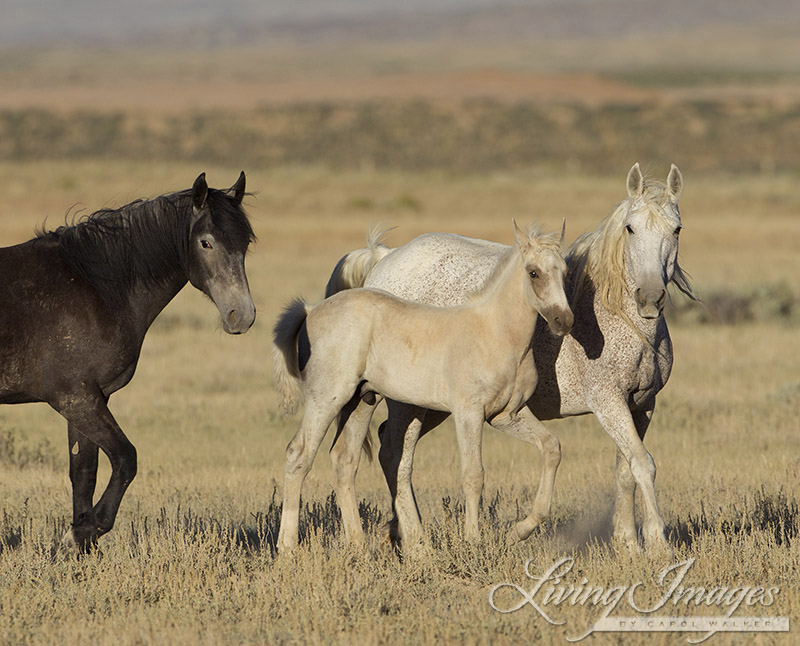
column 189, row 561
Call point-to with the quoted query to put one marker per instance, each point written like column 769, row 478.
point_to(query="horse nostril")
column 232, row 316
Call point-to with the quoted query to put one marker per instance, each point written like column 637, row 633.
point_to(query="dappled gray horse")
column 613, row 364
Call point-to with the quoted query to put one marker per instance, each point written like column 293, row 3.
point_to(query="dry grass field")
column 425, row 121
column 190, row 558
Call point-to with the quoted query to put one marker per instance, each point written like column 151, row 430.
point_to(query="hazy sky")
column 54, row 22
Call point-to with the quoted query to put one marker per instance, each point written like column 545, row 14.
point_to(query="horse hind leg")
column 345, row 455
column 407, row 422
column 321, row 409
column 392, row 439
column 526, row 427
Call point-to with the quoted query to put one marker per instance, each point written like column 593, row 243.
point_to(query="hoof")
column 626, row 543
column 391, row 532
column 69, row 543
column 660, row 549
column 77, row 540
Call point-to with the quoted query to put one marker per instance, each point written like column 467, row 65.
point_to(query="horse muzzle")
column 559, row 321
column 239, row 319
column 650, row 301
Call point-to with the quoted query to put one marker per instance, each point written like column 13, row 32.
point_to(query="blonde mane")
column 551, row 241
column 598, row 257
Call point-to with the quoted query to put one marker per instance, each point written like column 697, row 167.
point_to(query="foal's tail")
column 284, row 354
column 353, row 268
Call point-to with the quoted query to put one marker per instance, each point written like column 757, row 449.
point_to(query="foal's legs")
column 319, row 413
column 92, row 425
column 525, row 426
column 345, row 455
column 615, row 416
column 624, row 517
column 469, row 432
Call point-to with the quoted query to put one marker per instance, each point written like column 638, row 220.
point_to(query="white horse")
column 613, row 364
column 472, row 360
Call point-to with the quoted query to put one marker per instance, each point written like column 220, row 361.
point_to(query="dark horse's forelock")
column 145, row 242
column 230, row 219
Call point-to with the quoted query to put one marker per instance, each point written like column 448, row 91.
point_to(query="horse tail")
column 353, row 268
column 284, row 354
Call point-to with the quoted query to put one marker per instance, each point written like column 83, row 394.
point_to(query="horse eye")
column 628, row 229
column 532, row 273
column 205, row 244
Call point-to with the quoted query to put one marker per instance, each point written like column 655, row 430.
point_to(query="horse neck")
column 508, row 301
column 646, row 330
column 146, row 299
column 145, row 303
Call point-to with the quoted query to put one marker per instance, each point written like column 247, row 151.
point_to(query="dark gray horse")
column 76, row 303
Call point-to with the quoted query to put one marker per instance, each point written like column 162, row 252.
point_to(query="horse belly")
column 409, row 382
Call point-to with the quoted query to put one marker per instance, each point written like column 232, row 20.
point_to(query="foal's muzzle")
column 559, row 321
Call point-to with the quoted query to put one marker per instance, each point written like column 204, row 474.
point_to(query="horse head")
column 652, row 227
column 219, row 236
column 544, row 265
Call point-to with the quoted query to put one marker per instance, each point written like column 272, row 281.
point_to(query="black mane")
column 145, row 242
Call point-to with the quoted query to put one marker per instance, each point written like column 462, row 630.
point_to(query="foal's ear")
column 675, row 182
column 237, row 190
column 521, row 239
column 199, row 191
column 635, row 181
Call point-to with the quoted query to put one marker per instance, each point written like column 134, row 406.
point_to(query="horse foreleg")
column 526, row 427
column 299, row 457
column 624, row 515
column 91, row 420
column 469, row 433
column 83, row 476
column 616, row 419
column 345, row 456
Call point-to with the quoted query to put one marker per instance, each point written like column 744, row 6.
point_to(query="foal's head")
column 543, row 263
column 219, row 236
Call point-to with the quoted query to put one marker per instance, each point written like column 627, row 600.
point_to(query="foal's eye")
column 628, row 229
column 532, row 273
column 205, row 244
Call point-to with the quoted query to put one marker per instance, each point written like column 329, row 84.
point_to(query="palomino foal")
column 473, row 360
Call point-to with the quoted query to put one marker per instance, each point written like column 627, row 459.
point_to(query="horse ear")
column 635, row 181
column 199, row 191
column 237, row 190
column 675, row 182
column 563, row 233
column 521, row 239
